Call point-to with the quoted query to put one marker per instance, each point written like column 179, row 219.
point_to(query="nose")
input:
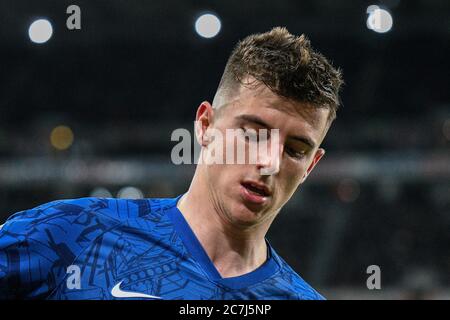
column 269, row 155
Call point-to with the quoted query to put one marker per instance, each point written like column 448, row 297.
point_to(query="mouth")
column 255, row 192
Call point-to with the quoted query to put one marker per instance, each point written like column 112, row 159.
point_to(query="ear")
column 319, row 154
column 203, row 121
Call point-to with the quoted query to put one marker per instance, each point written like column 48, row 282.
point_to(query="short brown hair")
column 288, row 66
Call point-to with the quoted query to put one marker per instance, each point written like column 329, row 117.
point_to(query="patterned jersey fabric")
column 103, row 248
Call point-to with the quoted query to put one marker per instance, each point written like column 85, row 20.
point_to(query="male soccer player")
column 210, row 242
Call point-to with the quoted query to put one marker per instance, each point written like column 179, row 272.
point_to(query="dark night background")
column 137, row 70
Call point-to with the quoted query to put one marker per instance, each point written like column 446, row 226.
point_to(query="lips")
column 257, row 188
column 255, row 192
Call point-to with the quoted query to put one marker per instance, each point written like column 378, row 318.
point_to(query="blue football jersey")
column 104, row 248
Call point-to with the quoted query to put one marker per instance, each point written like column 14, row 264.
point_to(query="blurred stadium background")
column 90, row 112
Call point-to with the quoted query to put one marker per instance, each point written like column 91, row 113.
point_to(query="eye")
column 250, row 135
column 294, row 153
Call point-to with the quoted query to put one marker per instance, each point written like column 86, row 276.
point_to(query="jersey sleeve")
column 27, row 256
column 37, row 246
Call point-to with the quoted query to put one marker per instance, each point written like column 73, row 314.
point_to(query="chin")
column 245, row 216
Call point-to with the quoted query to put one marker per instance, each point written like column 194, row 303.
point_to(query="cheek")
column 290, row 177
column 223, row 176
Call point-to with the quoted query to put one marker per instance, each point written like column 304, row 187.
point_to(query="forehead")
column 280, row 112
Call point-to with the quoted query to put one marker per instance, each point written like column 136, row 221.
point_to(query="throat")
column 230, row 263
column 232, row 251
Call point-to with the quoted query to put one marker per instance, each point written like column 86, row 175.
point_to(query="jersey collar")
column 194, row 247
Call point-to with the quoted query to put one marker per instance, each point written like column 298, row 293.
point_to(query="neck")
column 234, row 250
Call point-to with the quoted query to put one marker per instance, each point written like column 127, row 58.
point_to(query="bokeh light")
column 208, row 25
column 130, row 193
column 61, row 137
column 100, row 192
column 379, row 20
column 348, row 190
column 40, row 31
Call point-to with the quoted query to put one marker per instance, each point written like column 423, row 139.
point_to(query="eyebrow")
column 257, row 120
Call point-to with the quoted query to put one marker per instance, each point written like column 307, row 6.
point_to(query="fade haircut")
column 287, row 65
